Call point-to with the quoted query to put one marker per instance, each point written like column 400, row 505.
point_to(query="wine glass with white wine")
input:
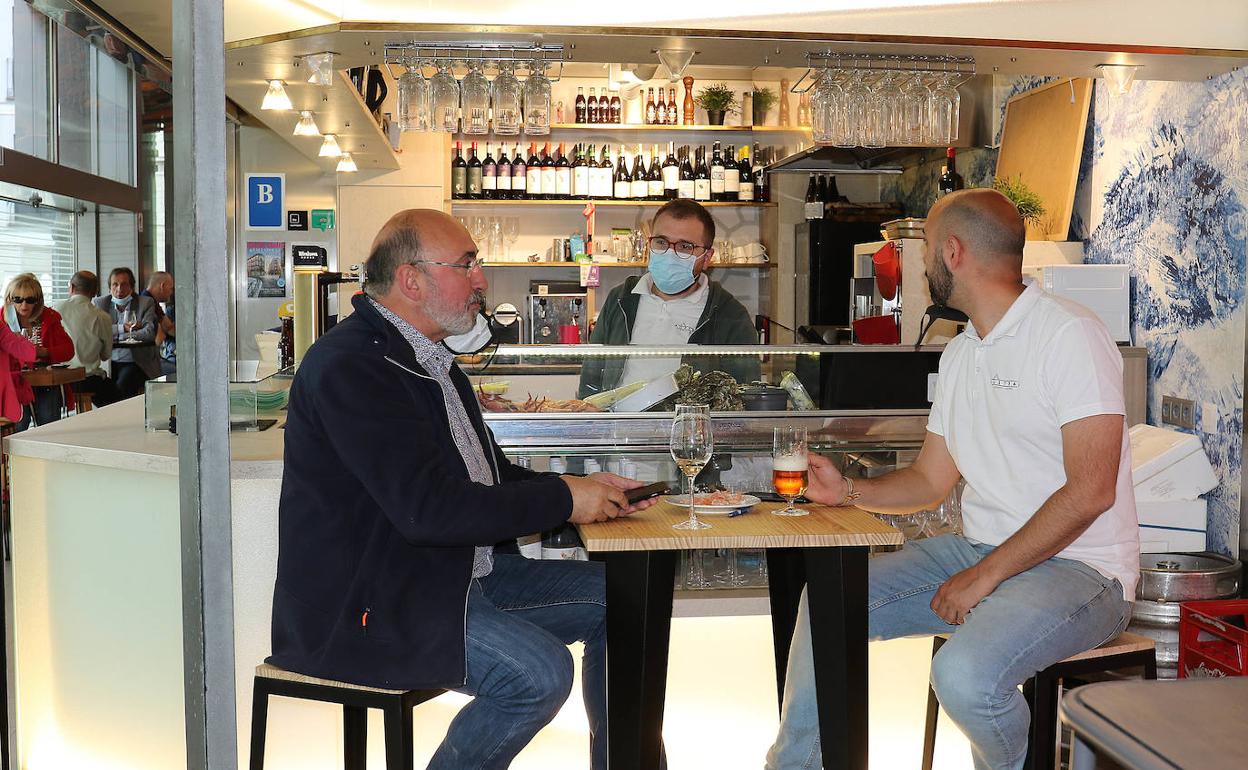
column 692, row 443
column 790, row 467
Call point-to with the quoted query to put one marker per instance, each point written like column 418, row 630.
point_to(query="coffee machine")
column 556, row 313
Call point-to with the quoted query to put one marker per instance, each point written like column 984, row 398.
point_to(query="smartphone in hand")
column 648, row 491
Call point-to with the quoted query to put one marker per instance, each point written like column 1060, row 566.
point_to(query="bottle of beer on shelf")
column 640, row 185
column 617, row 108
column 745, row 192
column 834, row 195
column 673, row 114
column 660, row 110
column 591, row 108
column 503, row 174
column 651, row 109
column 580, row 174
column 489, row 175
column 654, row 178
column 701, row 178
column 459, row 174
column 549, row 188
column 580, row 105
column 474, row 172
column 563, row 176
column 732, row 175
column 519, row 175
column 950, row 179
column 533, row 174
column 623, row 180
column 814, row 206
column 671, row 173
column 823, row 189
column 685, row 188
column 717, row 173
column 762, row 191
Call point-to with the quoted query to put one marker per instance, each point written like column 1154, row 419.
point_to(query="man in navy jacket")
column 393, row 495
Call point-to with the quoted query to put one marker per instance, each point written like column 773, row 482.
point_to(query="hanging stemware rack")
column 819, row 62
column 527, row 58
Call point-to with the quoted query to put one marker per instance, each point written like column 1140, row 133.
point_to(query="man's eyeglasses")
column 476, row 264
column 24, row 300
column 684, row 249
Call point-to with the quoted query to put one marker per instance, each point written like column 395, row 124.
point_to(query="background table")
column 50, row 376
column 826, row 550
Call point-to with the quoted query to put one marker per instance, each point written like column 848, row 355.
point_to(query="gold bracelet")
column 851, row 494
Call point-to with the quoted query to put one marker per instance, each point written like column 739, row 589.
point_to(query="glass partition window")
column 95, row 109
column 40, row 241
column 24, row 91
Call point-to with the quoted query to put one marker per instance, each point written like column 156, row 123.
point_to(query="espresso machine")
column 556, row 313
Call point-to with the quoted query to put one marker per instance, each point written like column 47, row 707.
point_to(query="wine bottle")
column 745, row 193
column 732, row 175
column 673, row 114
column 814, row 206
column 503, row 174
column 717, row 173
column 654, row 178
column 701, row 178
column 519, row 176
column 533, row 174
column 563, row 176
column 580, row 174
column 549, row 189
column 591, row 107
column 821, row 189
column 459, row 174
column 685, row 187
column 640, row 185
column 950, row 179
column 651, row 108
column 474, row 172
column 834, row 195
column 671, row 173
column 580, row 105
column 489, row 175
column 623, row 180
column 762, row 190
column 617, row 108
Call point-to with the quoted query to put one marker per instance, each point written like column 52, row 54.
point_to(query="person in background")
column 1029, row 410
column 92, row 332
column 135, row 360
column 24, row 313
column 674, row 303
column 15, row 351
column 394, row 495
column 160, row 289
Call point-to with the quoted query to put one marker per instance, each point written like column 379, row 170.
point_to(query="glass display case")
column 257, row 397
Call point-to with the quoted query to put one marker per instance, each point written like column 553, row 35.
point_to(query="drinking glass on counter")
column 127, row 324
column 790, row 467
column 691, row 446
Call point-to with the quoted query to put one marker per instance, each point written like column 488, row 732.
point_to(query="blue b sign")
column 266, row 202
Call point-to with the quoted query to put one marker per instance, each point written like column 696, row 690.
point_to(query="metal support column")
column 202, row 282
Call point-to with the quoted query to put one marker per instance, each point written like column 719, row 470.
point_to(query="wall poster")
column 266, row 269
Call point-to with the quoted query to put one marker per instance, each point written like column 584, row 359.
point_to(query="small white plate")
column 682, row 501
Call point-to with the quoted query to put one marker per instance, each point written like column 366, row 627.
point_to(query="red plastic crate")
column 1213, row 638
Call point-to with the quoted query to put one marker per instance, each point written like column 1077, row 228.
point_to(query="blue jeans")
column 1052, row 611
column 521, row 617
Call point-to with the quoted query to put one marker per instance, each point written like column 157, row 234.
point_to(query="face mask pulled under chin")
column 473, row 340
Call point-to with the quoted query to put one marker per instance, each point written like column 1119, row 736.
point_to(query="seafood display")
column 716, row 389
column 493, row 402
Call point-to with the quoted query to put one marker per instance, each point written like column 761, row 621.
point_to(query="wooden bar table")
column 826, row 550
column 52, row 376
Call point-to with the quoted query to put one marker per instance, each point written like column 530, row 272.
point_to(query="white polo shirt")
column 1000, row 405
column 662, row 322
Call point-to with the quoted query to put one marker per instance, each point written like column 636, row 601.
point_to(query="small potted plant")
column 716, row 99
column 763, row 100
column 1028, row 203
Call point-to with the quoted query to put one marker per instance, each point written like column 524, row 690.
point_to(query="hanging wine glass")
column 507, row 99
column 892, row 103
column 857, row 97
column 946, row 107
column 914, row 109
column 825, row 109
column 537, row 101
column 444, row 96
column 413, row 98
column 475, row 98
column 873, row 131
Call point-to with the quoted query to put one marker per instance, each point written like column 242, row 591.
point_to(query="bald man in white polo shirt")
column 1029, row 410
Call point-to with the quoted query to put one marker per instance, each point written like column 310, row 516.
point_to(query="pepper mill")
column 784, row 102
column 688, row 100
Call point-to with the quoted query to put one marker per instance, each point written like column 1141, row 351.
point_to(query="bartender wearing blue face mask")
column 674, row 303
column 135, row 359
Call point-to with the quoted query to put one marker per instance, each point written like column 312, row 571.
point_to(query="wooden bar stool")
column 82, row 402
column 356, row 699
column 1122, row 652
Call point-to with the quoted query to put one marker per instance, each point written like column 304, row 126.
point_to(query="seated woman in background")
column 25, row 314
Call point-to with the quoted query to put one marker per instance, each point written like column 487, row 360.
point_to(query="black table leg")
column 786, row 576
column 837, row 584
column 639, row 622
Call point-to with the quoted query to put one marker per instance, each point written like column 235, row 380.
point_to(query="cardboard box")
column 1159, row 540
column 1168, row 465
column 1179, row 514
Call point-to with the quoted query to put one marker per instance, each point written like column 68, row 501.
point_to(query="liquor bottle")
column 640, row 185
column 503, row 174
column 821, row 189
column 533, row 174
column 950, row 179
column 654, row 179
column 671, row 173
column 623, row 180
column 563, row 543
column 580, row 174
column 745, row 193
column 701, row 178
column 685, row 187
column 549, row 190
column 660, row 110
column 459, row 174
column 814, row 206
column 474, row 172
column 651, row 108
column 489, row 175
column 717, row 173
column 563, row 176
column 519, row 175
column 617, row 108
column 673, row 112
column 732, row 175
column 591, row 107
column 762, row 190
column 580, row 105
column 834, row 195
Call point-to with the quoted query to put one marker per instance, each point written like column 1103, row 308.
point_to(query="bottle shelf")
column 526, row 138
column 630, row 265
column 481, row 202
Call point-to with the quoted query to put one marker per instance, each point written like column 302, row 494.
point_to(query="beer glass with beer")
column 691, row 446
column 789, row 467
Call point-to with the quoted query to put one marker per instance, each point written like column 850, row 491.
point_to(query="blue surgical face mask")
column 123, row 302
column 670, row 273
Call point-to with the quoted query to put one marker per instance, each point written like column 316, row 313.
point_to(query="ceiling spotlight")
column 276, row 98
column 346, row 163
column 1121, row 76
column 306, row 125
column 322, row 68
column 329, row 147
